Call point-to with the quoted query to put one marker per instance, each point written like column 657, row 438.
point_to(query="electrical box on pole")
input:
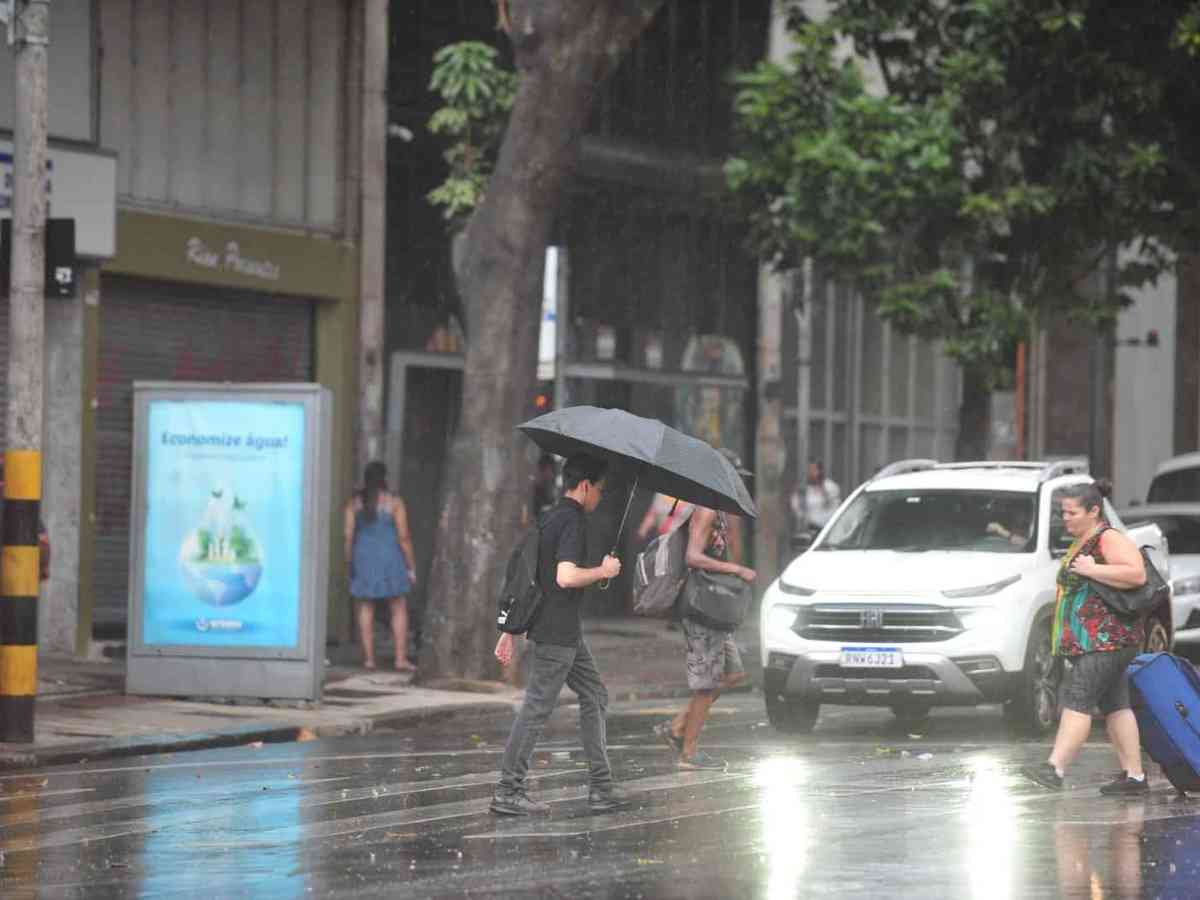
column 61, row 268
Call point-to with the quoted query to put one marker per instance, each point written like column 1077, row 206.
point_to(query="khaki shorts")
column 711, row 655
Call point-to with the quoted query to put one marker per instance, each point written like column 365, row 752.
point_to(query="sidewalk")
column 83, row 712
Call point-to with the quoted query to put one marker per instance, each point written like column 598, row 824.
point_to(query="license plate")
column 872, row 658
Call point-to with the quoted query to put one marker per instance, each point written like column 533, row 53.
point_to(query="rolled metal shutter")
column 153, row 331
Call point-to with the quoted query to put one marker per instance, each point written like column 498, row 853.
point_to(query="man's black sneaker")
column 518, row 805
column 1124, row 786
column 1045, row 775
column 663, row 730
column 608, row 799
column 701, row 760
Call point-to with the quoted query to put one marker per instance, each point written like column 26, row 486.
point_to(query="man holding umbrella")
column 560, row 655
column 659, row 458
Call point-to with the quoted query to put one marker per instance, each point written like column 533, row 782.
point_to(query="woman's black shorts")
column 1097, row 680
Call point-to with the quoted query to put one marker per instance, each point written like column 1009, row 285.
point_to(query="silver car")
column 1180, row 525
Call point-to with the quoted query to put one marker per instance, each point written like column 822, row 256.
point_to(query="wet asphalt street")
column 859, row 809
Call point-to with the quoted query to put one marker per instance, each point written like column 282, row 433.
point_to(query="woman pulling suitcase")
column 1096, row 643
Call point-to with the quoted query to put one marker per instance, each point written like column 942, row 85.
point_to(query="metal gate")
column 152, row 331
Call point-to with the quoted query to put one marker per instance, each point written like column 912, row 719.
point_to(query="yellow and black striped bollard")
column 19, row 594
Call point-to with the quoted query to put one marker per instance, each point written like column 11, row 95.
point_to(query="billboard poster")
column 224, row 523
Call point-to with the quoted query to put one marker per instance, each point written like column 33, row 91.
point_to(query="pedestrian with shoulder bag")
column 713, row 603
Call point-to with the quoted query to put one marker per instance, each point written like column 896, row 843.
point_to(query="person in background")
column 379, row 549
column 714, row 663
column 1012, row 522
column 545, row 487
column 821, row 497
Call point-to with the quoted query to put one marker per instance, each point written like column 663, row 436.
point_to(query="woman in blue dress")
column 382, row 569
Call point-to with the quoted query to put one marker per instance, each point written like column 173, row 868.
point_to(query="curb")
column 12, row 761
column 74, row 754
column 71, row 754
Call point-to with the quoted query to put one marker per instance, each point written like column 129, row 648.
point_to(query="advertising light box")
column 224, row 490
column 230, row 534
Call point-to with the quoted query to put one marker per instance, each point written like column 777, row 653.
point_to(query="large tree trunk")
column 974, row 416
column 564, row 49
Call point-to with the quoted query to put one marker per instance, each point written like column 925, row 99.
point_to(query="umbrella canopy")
column 663, row 459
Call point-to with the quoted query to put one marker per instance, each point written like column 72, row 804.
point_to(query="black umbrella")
column 663, row 459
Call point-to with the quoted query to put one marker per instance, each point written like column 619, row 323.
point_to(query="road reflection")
column 785, row 823
column 1103, row 862
column 249, row 836
column 20, row 802
column 990, row 815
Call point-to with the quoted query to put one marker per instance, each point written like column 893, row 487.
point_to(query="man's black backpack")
column 521, row 593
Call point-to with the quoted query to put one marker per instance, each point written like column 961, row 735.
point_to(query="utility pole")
column 372, row 231
column 802, row 308
column 29, row 26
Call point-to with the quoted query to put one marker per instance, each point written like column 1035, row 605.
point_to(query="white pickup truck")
column 932, row 585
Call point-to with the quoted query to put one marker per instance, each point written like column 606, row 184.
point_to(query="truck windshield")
column 915, row 521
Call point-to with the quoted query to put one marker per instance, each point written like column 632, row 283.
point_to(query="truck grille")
column 862, row 622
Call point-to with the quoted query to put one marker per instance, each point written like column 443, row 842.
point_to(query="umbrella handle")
column 605, row 584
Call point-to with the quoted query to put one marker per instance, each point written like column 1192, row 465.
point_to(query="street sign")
column 80, row 185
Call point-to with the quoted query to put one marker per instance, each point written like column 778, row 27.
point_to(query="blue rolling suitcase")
column 1166, row 701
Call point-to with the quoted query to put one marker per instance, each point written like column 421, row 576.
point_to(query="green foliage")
column 242, row 545
column 967, row 164
column 478, row 94
column 203, row 543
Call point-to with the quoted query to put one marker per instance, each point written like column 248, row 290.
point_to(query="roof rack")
column 992, row 464
column 903, row 467
column 1060, row 467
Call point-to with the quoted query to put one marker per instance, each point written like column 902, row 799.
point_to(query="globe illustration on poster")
column 221, row 559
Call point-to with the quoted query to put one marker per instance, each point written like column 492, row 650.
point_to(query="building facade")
column 236, row 130
column 1128, row 399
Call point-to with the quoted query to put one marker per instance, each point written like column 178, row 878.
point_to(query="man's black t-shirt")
column 563, row 540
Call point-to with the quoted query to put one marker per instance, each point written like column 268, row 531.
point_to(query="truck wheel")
column 1033, row 709
column 1157, row 640
column 792, row 716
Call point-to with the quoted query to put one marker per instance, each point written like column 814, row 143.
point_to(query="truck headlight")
column 983, row 590
column 795, row 590
column 781, row 617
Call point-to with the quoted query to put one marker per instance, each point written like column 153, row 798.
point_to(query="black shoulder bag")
column 1135, row 602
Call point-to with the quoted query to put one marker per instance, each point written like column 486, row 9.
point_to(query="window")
column 1180, row 486
column 914, row 521
column 1182, row 533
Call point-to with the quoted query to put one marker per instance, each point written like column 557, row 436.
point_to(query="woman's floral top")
column 1083, row 623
